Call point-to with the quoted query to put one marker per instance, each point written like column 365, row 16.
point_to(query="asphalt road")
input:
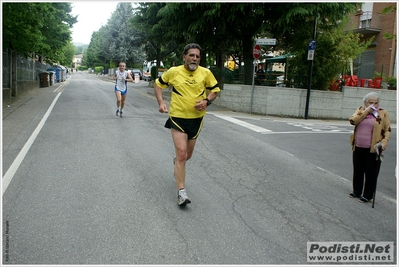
column 92, row 188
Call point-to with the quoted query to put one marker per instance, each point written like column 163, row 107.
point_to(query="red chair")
column 370, row 83
column 377, row 83
column 362, row 82
column 355, row 80
column 348, row 80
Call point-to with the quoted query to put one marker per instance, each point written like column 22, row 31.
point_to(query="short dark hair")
column 190, row 46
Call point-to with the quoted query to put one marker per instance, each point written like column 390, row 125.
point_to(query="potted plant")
column 391, row 81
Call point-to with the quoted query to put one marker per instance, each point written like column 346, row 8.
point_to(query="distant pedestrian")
column 121, row 78
column 188, row 105
column 260, row 75
column 372, row 126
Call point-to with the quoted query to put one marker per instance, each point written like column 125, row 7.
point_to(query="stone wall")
column 291, row 102
column 23, row 87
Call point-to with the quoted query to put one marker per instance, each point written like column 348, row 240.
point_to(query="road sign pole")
column 256, row 54
column 253, row 87
column 310, row 71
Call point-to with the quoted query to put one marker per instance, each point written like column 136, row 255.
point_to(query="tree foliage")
column 153, row 32
column 389, row 9
column 38, row 28
column 116, row 41
column 217, row 27
column 162, row 29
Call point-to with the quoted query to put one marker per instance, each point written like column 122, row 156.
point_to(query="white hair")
column 367, row 97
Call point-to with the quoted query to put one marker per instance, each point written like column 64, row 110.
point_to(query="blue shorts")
column 122, row 92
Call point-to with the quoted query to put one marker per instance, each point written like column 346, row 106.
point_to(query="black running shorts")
column 192, row 127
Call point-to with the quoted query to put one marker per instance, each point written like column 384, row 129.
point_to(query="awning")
column 279, row 59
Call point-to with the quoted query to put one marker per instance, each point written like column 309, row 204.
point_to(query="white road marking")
column 244, row 124
column 18, row 160
column 313, row 128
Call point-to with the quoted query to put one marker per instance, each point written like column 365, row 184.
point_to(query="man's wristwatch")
column 208, row 102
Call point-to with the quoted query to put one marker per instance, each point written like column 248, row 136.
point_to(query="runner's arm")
column 161, row 103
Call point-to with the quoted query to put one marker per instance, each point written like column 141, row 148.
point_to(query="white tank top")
column 121, row 84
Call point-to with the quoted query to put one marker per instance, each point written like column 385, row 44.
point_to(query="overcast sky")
column 92, row 15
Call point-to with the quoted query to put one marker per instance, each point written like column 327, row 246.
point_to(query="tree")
column 37, row 28
column 66, row 57
column 116, row 41
column 122, row 41
column 80, row 49
column 293, row 26
column 218, row 27
column 154, row 32
column 223, row 29
column 204, row 26
column 387, row 10
column 96, row 53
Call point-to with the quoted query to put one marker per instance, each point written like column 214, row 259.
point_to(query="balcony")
column 368, row 23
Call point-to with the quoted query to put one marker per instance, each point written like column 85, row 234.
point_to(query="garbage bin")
column 51, row 77
column 62, row 72
column 44, row 79
column 57, row 71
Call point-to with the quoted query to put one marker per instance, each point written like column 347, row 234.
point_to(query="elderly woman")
column 372, row 126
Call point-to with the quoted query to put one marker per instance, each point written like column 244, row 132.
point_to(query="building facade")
column 77, row 61
column 380, row 57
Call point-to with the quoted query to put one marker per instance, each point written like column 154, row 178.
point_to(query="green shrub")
column 98, row 69
column 391, row 81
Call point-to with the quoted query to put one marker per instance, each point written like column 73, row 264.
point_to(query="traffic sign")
column 266, row 41
column 310, row 54
column 312, row 45
column 256, row 51
column 311, row 49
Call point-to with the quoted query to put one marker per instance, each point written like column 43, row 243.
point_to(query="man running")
column 188, row 105
column 121, row 77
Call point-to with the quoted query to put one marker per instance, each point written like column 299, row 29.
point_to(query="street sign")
column 266, row 41
column 256, row 51
column 310, row 54
column 311, row 49
column 312, row 45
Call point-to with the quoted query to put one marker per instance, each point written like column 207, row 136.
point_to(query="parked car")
column 136, row 72
column 147, row 73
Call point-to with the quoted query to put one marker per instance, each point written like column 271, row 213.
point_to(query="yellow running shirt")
column 188, row 86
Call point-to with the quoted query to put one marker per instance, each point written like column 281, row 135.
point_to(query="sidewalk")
column 36, row 96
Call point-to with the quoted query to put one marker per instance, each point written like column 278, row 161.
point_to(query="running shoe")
column 117, row 111
column 120, row 114
column 182, row 198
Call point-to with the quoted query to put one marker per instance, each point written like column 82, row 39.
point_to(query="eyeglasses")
column 194, row 55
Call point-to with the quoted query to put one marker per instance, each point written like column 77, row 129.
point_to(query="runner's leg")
column 183, row 152
column 123, row 98
column 118, row 99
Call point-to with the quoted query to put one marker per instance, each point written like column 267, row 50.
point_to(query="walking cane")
column 378, row 151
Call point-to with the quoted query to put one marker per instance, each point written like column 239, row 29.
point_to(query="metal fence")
column 6, row 71
column 27, row 69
